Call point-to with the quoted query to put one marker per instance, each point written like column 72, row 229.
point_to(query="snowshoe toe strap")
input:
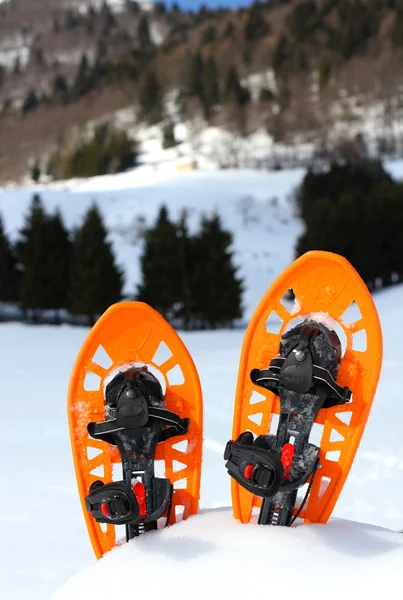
column 254, row 468
column 276, row 376
column 113, row 503
column 176, row 425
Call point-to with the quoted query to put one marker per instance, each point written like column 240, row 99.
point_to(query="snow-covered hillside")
column 254, row 206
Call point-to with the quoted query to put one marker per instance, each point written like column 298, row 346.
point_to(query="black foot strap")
column 113, row 503
column 271, row 379
column 256, row 469
column 176, row 425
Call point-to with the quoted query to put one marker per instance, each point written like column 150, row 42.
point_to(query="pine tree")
column 196, row 74
column 60, row 89
column 96, row 282
column 33, row 256
column 216, row 290
column 83, row 82
column 58, row 263
column 143, row 32
column 211, row 86
column 8, row 270
column 256, row 26
column 35, row 171
column 30, row 103
column 150, row 95
column 169, row 140
column 3, row 73
column 234, row 92
column 281, row 52
column 186, row 304
column 159, row 266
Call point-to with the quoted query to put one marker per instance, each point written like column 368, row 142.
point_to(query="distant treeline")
column 189, row 279
column 355, row 208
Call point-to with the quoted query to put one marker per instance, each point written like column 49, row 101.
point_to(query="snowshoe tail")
column 301, row 374
column 134, row 400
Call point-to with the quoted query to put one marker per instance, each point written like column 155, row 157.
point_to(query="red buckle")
column 139, row 490
column 104, row 510
column 286, row 458
column 248, row 471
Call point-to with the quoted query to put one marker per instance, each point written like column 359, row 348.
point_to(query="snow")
column 42, row 521
column 212, row 556
column 264, row 230
column 45, row 541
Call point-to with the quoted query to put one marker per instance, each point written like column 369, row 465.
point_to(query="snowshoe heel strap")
column 113, row 503
column 162, row 496
column 257, row 470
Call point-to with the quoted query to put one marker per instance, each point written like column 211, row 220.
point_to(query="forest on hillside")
column 172, row 64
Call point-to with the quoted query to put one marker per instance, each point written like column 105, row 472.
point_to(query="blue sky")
column 195, row 4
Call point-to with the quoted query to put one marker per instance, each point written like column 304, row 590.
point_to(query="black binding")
column 304, row 378
column 136, row 423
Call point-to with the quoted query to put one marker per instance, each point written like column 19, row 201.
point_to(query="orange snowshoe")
column 135, row 401
column 303, row 398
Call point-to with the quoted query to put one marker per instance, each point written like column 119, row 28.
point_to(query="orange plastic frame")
column 325, row 284
column 127, row 333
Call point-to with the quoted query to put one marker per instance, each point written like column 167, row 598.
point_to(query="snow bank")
column 213, row 556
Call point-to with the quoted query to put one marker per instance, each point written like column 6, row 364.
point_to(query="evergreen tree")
column 83, row 82
column 60, row 89
column 35, row 171
column 211, row 86
column 143, row 32
column 355, row 210
column 281, row 53
column 229, row 30
column 160, row 8
column 234, row 92
column 216, row 290
column 33, row 256
column 209, row 35
column 8, row 269
column 96, row 282
column 169, row 135
column 325, row 69
column 256, row 26
column 58, row 263
column 186, row 305
column 150, row 95
column 17, row 66
column 134, row 6
column 3, row 73
column 159, row 266
column 196, row 74
column 30, row 103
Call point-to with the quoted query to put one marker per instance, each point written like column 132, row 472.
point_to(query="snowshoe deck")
column 325, row 286
column 131, row 334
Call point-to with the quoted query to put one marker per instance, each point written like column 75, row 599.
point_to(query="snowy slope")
column 263, row 246
column 256, row 206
